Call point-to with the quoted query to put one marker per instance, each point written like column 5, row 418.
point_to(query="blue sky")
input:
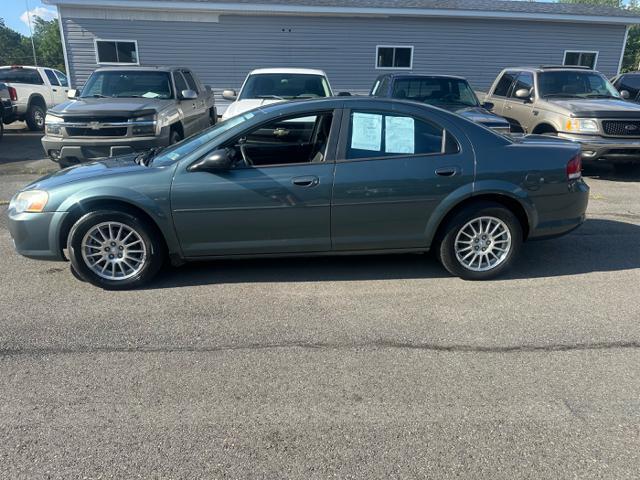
column 13, row 10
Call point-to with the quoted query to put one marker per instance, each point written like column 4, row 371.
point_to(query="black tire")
column 149, row 236
column 213, row 116
column 174, row 137
column 35, row 118
column 446, row 248
column 1, row 128
column 64, row 163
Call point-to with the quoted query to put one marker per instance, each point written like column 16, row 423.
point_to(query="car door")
column 186, row 106
column 394, row 168
column 200, row 111
column 275, row 200
column 519, row 111
column 501, row 92
column 58, row 92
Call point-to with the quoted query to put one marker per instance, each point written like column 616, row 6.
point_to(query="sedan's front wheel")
column 481, row 242
column 114, row 250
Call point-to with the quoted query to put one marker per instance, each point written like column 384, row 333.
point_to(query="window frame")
column 580, row 52
column 345, row 137
column 332, row 142
column 61, row 75
column 410, row 47
column 51, row 74
column 115, row 40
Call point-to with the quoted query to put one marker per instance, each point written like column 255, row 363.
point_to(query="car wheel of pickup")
column 480, row 242
column 114, row 250
column 35, row 118
column 175, row 137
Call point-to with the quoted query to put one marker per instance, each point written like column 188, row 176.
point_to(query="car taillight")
column 13, row 94
column 574, row 167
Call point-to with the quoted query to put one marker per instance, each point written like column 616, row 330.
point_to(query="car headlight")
column 29, row 201
column 582, row 125
column 53, row 124
column 146, row 125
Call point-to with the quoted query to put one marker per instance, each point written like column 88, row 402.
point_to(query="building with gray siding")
column 352, row 40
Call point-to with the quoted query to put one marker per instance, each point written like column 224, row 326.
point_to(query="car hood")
column 241, row 106
column 599, row 107
column 93, row 170
column 480, row 115
column 103, row 107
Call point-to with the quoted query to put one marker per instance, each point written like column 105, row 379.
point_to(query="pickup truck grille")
column 621, row 128
column 96, row 119
column 100, row 132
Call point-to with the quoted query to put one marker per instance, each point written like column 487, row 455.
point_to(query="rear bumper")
column 35, row 236
column 79, row 149
column 618, row 150
column 561, row 214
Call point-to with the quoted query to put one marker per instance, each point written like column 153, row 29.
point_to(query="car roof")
column 420, row 75
column 299, row 71
column 146, row 68
column 548, row 68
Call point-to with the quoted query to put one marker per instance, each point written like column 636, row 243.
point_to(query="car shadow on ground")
column 598, row 246
column 605, row 171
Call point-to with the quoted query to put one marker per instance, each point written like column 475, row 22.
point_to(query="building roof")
column 521, row 10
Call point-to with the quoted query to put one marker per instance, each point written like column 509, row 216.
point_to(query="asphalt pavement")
column 362, row 367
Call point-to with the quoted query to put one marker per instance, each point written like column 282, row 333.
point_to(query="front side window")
column 190, row 81
column 400, row 57
column 630, row 83
column 117, row 51
column 583, row 59
column 436, row 91
column 52, row 77
column 284, row 86
column 21, row 75
column 129, row 84
column 575, row 84
column 293, row 140
column 64, row 81
column 502, row 88
column 374, row 135
column 523, row 82
column 181, row 83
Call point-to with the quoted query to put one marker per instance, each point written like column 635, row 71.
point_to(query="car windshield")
column 191, row 144
column 284, row 86
column 436, row 91
column 128, row 84
column 575, row 84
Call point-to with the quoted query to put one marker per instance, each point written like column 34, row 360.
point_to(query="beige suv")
column 574, row 103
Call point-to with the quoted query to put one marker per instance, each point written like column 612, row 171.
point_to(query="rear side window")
column 190, row 81
column 21, row 75
column 374, row 135
column 503, row 85
column 524, row 81
column 52, row 77
column 383, row 87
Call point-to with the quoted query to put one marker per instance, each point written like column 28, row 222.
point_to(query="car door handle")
column 447, row 171
column 306, row 181
column 508, row 107
column 54, row 89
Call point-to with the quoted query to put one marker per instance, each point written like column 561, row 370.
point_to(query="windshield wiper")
column 561, row 95
column 146, row 157
column 599, row 95
column 97, row 95
column 276, row 97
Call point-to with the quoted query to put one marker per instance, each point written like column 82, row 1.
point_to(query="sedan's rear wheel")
column 481, row 242
column 114, row 250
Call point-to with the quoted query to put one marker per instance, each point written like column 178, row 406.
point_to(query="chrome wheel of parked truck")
column 343, row 175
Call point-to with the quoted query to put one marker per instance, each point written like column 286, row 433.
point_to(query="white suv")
column 270, row 85
column 37, row 89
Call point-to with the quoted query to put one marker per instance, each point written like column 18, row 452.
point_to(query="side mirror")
column 229, row 95
column 625, row 94
column 344, row 94
column 188, row 95
column 217, row 160
column 487, row 105
column 523, row 94
column 73, row 93
column 207, row 88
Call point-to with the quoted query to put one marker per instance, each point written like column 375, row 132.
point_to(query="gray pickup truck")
column 127, row 109
column 574, row 103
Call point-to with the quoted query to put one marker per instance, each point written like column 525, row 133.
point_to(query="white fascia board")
column 257, row 8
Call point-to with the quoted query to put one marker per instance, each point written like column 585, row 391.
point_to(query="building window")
column 581, row 58
column 117, row 52
column 394, row 57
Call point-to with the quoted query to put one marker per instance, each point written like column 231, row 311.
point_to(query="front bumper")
column 35, row 236
column 617, row 150
column 84, row 149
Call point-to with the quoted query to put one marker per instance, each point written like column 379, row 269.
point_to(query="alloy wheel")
column 483, row 243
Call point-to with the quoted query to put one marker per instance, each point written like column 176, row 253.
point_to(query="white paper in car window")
column 399, row 135
column 150, row 95
column 366, row 132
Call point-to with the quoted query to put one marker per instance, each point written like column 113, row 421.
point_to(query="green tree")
column 608, row 3
column 12, row 49
column 46, row 36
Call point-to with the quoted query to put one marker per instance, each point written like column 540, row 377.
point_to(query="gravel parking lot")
column 364, row 367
